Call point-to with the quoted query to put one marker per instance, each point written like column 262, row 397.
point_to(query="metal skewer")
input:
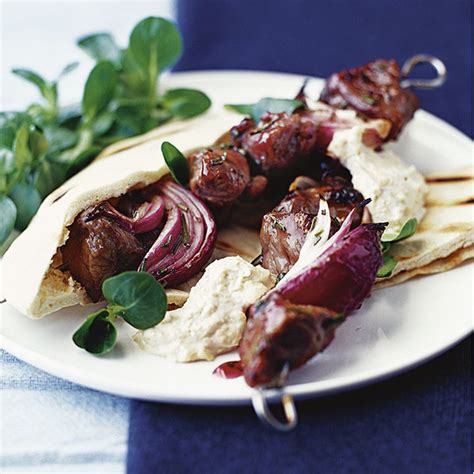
column 409, row 65
column 260, row 403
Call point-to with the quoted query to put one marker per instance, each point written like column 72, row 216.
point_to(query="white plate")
column 396, row 329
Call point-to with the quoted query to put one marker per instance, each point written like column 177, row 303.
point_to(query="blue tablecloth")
column 417, row 423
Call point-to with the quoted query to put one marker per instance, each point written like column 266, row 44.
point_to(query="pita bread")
column 31, row 283
column 447, row 193
column 163, row 131
column 451, row 175
column 445, row 236
column 440, row 265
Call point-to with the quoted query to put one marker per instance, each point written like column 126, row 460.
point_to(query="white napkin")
column 50, row 425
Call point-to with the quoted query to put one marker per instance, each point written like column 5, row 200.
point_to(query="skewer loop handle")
column 410, row 63
column 260, row 405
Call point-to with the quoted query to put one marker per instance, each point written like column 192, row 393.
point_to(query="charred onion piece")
column 164, row 226
column 280, row 332
column 187, row 240
column 374, row 91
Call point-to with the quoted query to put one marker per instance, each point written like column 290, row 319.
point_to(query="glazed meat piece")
column 281, row 144
column 284, row 229
column 374, row 91
column 218, row 175
column 278, row 333
column 278, row 142
column 98, row 248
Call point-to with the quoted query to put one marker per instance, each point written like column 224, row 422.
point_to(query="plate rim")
column 299, row 391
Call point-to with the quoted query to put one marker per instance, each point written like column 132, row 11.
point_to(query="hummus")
column 212, row 320
column 397, row 189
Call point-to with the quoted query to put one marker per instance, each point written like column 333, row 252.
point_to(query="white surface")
column 396, row 328
column 41, row 35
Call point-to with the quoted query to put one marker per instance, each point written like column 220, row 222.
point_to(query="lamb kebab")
column 298, row 318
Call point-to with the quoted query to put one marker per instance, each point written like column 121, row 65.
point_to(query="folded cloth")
column 419, row 422
column 320, row 37
column 50, row 425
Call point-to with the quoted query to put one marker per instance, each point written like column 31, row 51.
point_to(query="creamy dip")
column 212, row 320
column 397, row 189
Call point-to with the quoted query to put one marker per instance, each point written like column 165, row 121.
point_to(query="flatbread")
column 447, row 193
column 445, row 236
column 163, row 131
column 440, row 265
column 451, row 175
column 31, row 283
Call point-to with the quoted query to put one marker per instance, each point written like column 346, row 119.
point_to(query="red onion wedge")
column 341, row 277
column 147, row 217
column 187, row 239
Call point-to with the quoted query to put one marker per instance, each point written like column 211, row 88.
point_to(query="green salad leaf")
column 186, row 103
column 46, row 144
column 244, row 109
column 97, row 334
column 27, row 200
column 387, row 241
column 408, row 229
column 155, row 45
column 101, row 47
column 136, row 297
column 176, row 163
column 267, row 104
column 99, row 89
column 31, row 76
column 7, row 217
column 389, row 263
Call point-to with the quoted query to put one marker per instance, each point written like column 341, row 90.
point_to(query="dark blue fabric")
column 416, row 423
column 419, row 422
column 317, row 37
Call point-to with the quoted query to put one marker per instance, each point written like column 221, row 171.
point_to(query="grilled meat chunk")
column 374, row 91
column 284, row 229
column 278, row 142
column 218, row 176
column 280, row 145
column 221, row 178
column 278, row 333
column 98, row 248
